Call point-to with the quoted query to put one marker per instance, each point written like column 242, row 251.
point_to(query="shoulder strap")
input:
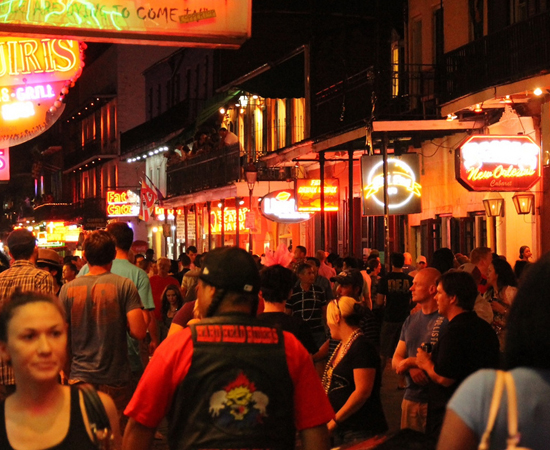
column 94, row 407
column 493, row 411
column 513, row 435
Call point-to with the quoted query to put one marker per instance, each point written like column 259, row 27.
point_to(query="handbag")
column 97, row 417
column 503, row 379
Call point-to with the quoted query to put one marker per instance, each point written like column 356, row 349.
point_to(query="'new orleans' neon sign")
column 498, row 163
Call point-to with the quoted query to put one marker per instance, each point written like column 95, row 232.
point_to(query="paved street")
column 391, row 399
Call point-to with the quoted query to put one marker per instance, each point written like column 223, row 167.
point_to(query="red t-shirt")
column 171, row 362
column 158, row 284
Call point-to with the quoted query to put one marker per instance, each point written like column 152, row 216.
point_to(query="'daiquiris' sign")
column 35, row 75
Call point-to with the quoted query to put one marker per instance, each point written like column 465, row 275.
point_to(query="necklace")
column 333, row 362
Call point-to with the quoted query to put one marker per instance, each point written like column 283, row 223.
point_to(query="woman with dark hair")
column 171, row 302
column 523, row 261
column 501, row 291
column 527, row 357
column 42, row 413
column 352, row 376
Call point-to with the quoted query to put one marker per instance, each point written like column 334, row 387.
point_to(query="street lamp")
column 494, row 204
column 524, row 202
column 251, row 175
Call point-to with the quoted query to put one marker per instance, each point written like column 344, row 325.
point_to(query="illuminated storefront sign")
column 170, row 214
column 230, row 220
column 4, row 164
column 197, row 23
column 498, row 163
column 57, row 234
column 308, row 195
column 35, row 75
column 404, row 191
column 122, row 204
column 280, row 206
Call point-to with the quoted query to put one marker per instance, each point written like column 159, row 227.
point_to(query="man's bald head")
column 425, row 285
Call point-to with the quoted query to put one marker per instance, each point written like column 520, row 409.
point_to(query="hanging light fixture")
column 494, row 204
column 524, row 202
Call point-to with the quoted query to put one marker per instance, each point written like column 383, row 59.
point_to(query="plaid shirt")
column 23, row 275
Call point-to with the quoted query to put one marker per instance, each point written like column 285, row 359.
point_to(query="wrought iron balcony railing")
column 516, row 52
column 214, row 169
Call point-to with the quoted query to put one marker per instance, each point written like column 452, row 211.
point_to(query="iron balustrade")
column 519, row 51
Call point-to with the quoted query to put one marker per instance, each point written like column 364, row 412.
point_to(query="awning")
column 157, row 130
column 213, row 105
column 285, row 80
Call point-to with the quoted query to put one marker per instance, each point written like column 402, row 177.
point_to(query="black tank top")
column 77, row 436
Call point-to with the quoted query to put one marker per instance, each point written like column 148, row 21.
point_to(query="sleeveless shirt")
column 238, row 393
column 76, row 437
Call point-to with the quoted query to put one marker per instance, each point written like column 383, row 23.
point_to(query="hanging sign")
column 122, row 204
column 230, row 220
column 35, row 75
column 4, row 164
column 197, row 23
column 498, row 163
column 308, row 195
column 280, row 206
column 404, row 189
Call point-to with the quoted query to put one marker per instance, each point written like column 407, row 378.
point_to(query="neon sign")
column 308, row 195
column 35, row 75
column 197, row 23
column 280, row 206
column 230, row 220
column 122, row 204
column 404, row 191
column 498, row 163
column 4, row 164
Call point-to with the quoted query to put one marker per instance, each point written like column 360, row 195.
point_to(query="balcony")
column 514, row 53
column 402, row 92
column 214, row 169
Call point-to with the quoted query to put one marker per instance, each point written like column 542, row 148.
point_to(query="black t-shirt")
column 293, row 325
column 396, row 287
column 467, row 345
column 370, row 417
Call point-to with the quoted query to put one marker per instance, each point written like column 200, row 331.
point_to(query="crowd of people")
column 241, row 352
column 205, row 141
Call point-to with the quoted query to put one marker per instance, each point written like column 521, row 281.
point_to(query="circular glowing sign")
column 35, row 75
column 404, row 191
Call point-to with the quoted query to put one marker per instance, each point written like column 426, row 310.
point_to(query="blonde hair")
column 344, row 307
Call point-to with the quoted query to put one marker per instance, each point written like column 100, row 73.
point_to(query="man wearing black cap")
column 21, row 275
column 230, row 381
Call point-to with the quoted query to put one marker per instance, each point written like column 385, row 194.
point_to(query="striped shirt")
column 23, row 275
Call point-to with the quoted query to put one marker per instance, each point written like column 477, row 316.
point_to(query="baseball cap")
column 20, row 238
column 349, row 277
column 421, row 259
column 48, row 256
column 231, row 268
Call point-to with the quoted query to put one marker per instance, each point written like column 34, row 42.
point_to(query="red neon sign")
column 122, row 204
column 498, row 163
column 308, row 195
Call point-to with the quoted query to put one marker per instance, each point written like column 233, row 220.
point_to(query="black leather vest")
column 238, row 393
